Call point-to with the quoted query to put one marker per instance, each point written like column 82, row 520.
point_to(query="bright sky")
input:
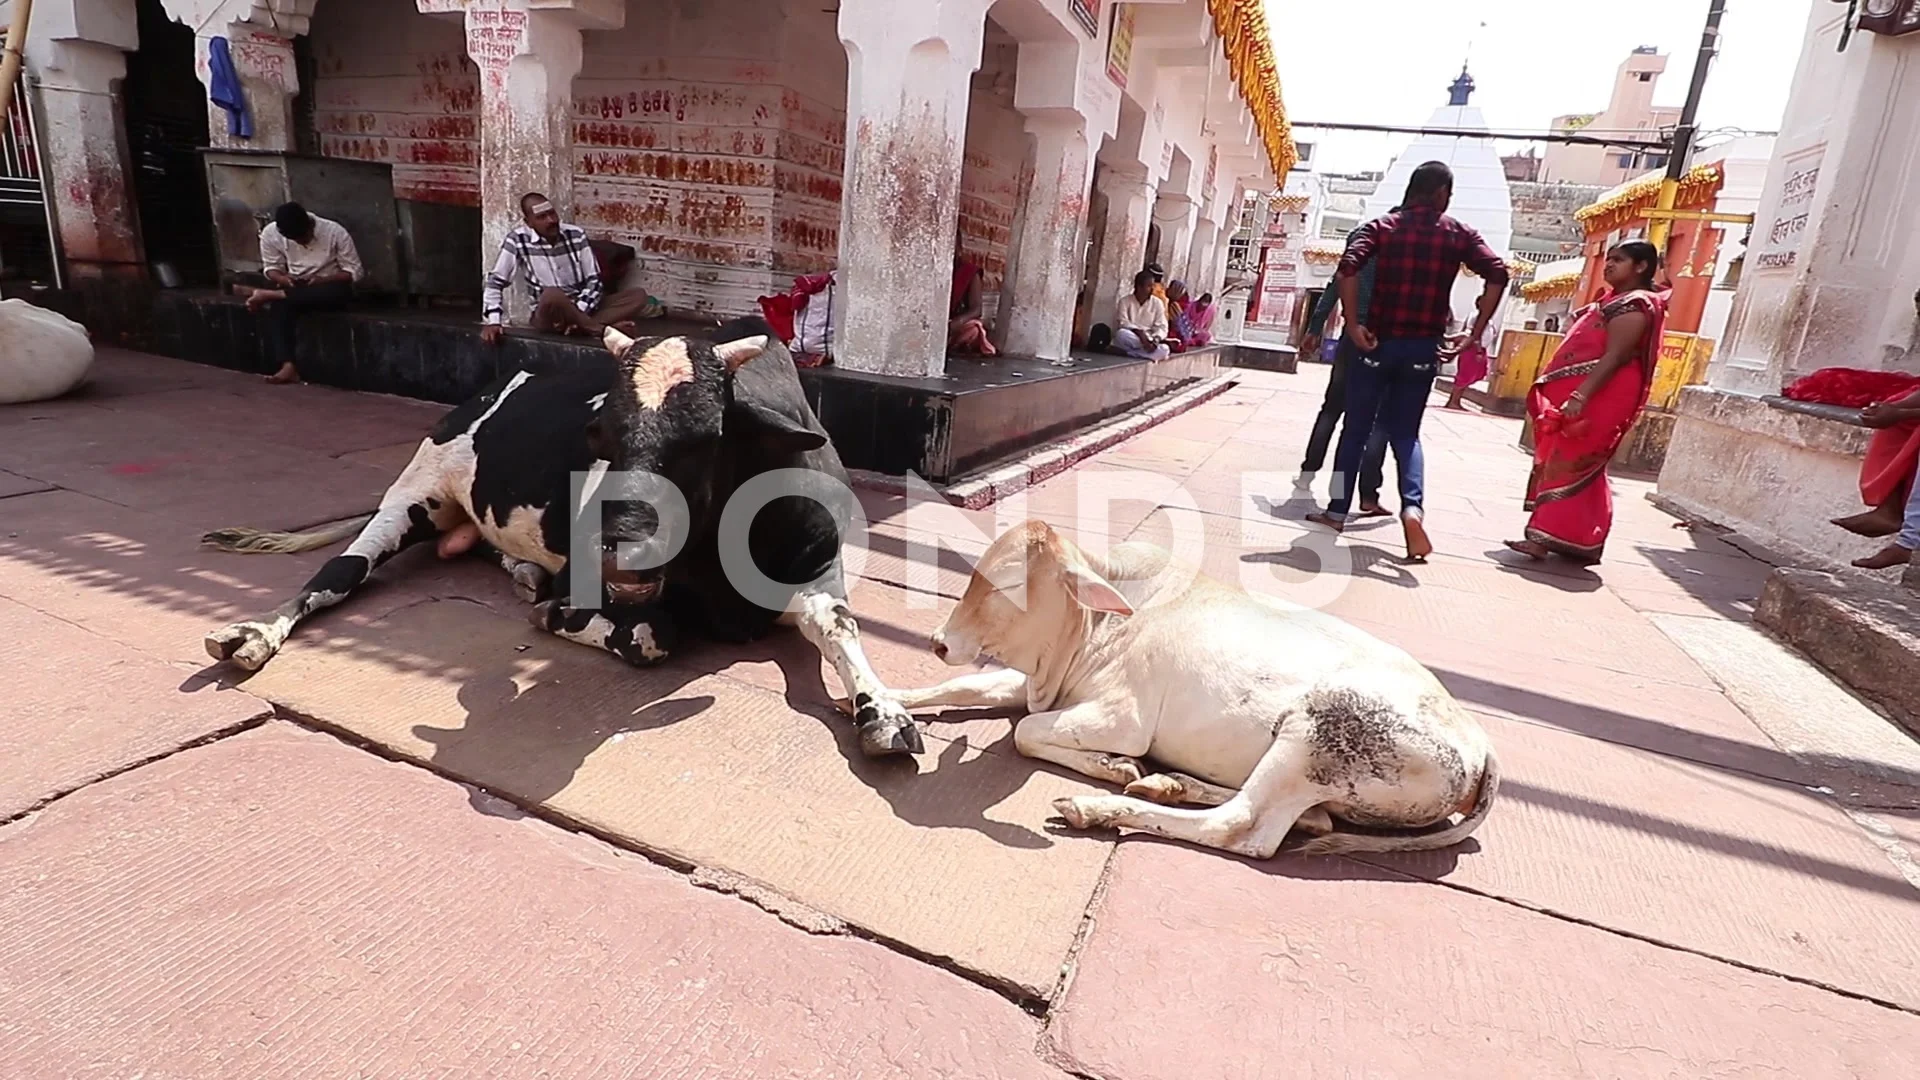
column 1390, row 61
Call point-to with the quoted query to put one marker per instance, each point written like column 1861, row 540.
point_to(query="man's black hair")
column 293, row 220
column 1429, row 180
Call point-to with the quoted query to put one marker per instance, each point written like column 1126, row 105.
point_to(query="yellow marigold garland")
column 1697, row 189
column 1552, row 288
column 1242, row 25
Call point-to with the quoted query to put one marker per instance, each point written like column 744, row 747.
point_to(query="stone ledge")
column 1811, row 427
column 1866, row 634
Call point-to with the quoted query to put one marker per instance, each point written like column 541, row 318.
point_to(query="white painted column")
column 1216, row 265
column 1044, row 273
column 1199, row 262
column 909, row 74
column 259, row 37
column 1830, row 272
column 1174, row 213
column 1123, row 246
column 76, row 52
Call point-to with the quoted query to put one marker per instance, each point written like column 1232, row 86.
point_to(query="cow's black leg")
column 640, row 634
column 886, row 727
column 395, row 527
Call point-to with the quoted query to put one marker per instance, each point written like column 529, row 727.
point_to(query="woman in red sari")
column 966, row 330
column 1584, row 404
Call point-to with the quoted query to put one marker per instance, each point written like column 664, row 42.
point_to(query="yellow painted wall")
column 1523, row 353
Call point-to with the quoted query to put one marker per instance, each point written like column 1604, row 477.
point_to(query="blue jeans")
column 1388, row 389
column 1909, row 537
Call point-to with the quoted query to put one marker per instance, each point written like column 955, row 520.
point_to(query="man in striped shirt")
column 562, row 274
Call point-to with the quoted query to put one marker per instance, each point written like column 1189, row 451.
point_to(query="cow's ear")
column 1094, row 592
column 772, row 429
column 599, row 438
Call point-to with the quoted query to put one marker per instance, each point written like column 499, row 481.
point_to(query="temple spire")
column 1462, row 88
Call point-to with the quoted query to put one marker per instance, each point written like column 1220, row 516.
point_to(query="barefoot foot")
column 1885, row 559
column 1373, row 509
column 1413, row 524
column 1876, row 523
column 1328, row 520
column 1528, row 548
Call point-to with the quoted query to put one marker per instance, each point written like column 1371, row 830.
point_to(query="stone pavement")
column 427, row 841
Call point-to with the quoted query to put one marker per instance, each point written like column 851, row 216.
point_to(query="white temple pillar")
column 76, row 52
column 1044, row 275
column 1199, row 261
column 1829, row 273
column 259, row 35
column 909, row 76
column 1174, row 212
column 528, row 53
column 1123, row 245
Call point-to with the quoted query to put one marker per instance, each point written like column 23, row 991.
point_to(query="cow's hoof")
column 886, row 729
column 247, row 645
column 531, row 582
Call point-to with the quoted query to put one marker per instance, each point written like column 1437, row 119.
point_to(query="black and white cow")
column 501, row 468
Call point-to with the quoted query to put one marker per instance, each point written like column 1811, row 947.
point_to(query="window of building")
column 1656, row 161
column 1625, row 161
column 1644, row 76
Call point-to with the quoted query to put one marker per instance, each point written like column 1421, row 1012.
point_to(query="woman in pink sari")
column 1584, row 404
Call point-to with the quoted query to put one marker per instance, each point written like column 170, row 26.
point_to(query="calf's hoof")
column 1089, row 811
column 1159, row 788
column 886, row 728
column 248, row 645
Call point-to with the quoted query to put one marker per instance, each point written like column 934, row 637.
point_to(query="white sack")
column 43, row 354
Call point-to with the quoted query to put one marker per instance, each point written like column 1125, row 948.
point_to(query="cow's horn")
column 735, row 353
column 617, row 343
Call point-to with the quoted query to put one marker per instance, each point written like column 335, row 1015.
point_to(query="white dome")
column 1481, row 197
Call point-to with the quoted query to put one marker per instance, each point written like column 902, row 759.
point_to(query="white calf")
column 1270, row 717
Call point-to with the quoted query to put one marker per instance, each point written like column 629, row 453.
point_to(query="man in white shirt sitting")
column 562, row 273
column 311, row 264
column 1142, row 319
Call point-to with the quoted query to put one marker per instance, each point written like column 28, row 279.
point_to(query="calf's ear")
column 1093, row 592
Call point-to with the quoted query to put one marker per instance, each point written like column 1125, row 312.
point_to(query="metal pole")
column 13, row 54
column 1688, row 127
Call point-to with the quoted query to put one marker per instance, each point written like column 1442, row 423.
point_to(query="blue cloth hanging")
column 225, row 89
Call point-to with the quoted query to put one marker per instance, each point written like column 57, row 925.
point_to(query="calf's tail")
column 255, row 542
column 1343, row 843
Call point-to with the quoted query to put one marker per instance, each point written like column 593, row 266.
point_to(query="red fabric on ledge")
column 1851, row 387
column 1887, row 473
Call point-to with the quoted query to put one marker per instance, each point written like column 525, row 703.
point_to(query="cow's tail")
column 255, row 542
column 1344, row 843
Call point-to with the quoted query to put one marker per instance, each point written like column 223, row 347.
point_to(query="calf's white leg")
column 998, row 688
column 1252, row 823
column 1090, row 738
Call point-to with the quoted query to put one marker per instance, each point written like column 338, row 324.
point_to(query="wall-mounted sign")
column 1779, row 245
column 1120, row 45
column 1088, row 12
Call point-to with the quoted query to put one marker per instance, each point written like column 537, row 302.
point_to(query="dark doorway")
column 166, row 113
column 1153, row 245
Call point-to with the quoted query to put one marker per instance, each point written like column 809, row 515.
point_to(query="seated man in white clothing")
column 1141, row 328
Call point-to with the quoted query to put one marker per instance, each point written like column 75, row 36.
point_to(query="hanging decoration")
column 1557, row 287
column 1242, row 26
column 1622, row 206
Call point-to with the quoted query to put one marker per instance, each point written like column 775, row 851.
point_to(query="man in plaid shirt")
column 562, row 273
column 1416, row 254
